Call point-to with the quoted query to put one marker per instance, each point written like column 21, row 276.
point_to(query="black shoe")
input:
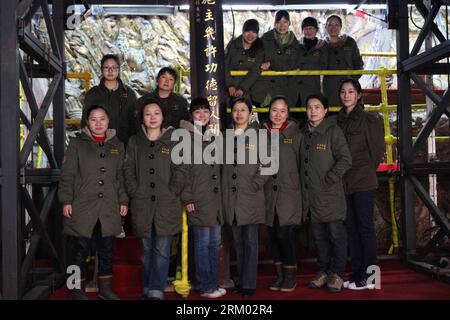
column 237, row 289
column 247, row 292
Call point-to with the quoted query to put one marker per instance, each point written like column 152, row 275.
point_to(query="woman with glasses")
column 118, row 98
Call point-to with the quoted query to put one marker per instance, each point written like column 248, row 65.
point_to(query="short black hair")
column 168, row 70
column 333, row 16
column 147, row 102
column 276, row 98
column 246, row 101
column 199, row 103
column 282, row 14
column 95, row 107
column 319, row 97
column 110, row 56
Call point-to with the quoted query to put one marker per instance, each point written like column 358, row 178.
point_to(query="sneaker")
column 121, row 234
column 319, row 281
column 361, row 284
column 222, row 291
column 334, row 283
column 352, row 279
column 212, row 295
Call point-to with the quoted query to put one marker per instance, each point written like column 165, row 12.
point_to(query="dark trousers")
column 81, row 248
column 330, row 239
column 245, row 240
column 361, row 231
column 283, row 242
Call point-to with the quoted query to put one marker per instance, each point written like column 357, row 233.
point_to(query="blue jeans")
column 331, row 244
column 155, row 264
column 206, row 249
column 246, row 245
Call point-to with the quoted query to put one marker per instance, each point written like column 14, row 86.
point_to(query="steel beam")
column 405, row 132
column 430, row 56
column 431, row 122
column 9, row 151
column 425, row 13
column 426, row 28
column 439, row 217
column 36, row 50
column 39, row 120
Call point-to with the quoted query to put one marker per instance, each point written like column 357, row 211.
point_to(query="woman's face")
column 282, row 26
column 250, row 37
column 278, row 113
column 315, row 111
column 166, row 82
column 98, row 122
column 201, row 116
column 333, row 27
column 152, row 116
column 349, row 95
column 240, row 114
column 309, row 32
column 110, row 70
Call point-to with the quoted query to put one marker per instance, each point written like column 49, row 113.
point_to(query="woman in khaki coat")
column 243, row 195
column 283, row 196
column 92, row 193
column 156, row 210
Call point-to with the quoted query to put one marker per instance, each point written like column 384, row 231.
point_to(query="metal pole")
column 405, row 132
column 9, row 151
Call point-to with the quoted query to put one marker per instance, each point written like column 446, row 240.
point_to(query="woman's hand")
column 67, row 211
column 123, row 210
column 190, row 208
column 232, row 92
column 265, row 66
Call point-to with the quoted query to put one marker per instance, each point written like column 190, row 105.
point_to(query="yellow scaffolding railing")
column 182, row 286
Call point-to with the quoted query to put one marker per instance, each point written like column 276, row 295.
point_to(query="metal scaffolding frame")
column 410, row 64
column 16, row 174
column 20, row 181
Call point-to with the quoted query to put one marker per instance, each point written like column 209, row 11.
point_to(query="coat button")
column 151, row 156
column 275, row 188
column 234, row 176
column 234, row 164
column 306, row 186
column 233, row 189
column 307, row 147
column 152, row 144
column 214, row 176
column 306, row 173
column 235, row 150
column 310, row 136
column 100, row 195
column 101, row 144
column 274, row 176
column 100, row 182
column 102, row 169
column 102, row 155
column 306, row 160
column 153, row 198
column 152, row 171
column 216, row 189
column 152, row 185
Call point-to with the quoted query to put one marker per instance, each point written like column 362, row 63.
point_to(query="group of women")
column 326, row 175
column 279, row 50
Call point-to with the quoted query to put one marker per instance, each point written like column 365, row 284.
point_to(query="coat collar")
column 120, row 88
column 87, row 135
column 291, row 128
column 320, row 43
column 354, row 114
column 320, row 129
column 342, row 40
column 163, row 138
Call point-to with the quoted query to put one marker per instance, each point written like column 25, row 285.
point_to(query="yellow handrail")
column 182, row 286
column 86, row 76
